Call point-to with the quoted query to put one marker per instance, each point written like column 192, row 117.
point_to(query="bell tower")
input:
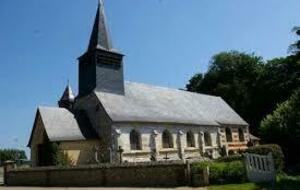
column 101, row 67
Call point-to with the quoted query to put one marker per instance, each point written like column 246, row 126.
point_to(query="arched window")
column 228, row 135
column 190, row 139
column 167, row 139
column 135, row 140
column 207, row 139
column 241, row 135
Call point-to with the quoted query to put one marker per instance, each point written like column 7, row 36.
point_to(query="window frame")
column 241, row 135
column 228, row 134
column 190, row 139
column 135, row 140
column 207, row 139
column 167, row 139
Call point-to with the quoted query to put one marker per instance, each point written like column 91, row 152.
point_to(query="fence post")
column 8, row 165
column 272, row 168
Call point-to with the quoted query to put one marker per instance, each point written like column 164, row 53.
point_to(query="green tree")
column 233, row 76
column 248, row 84
column 295, row 47
column 11, row 154
column 282, row 127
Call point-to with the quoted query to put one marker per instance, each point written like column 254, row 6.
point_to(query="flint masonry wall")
column 170, row 174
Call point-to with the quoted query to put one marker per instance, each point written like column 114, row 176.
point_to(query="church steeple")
column 100, row 67
column 67, row 99
column 100, row 38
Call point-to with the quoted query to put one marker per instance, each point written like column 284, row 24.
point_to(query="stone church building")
column 112, row 120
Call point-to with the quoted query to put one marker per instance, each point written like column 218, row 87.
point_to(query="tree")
column 11, row 154
column 280, row 77
column 233, row 76
column 249, row 85
column 282, row 127
column 295, row 47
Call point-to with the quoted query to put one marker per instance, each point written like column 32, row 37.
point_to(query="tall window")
column 241, row 135
column 228, row 135
column 190, row 139
column 167, row 139
column 207, row 139
column 135, row 140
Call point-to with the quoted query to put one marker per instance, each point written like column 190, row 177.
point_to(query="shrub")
column 276, row 153
column 227, row 172
column 197, row 167
column 63, row 159
column 223, row 172
column 230, row 158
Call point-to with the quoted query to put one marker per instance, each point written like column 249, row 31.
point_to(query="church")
column 111, row 120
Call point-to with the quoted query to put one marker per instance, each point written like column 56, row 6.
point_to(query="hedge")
column 274, row 149
column 223, row 172
column 230, row 158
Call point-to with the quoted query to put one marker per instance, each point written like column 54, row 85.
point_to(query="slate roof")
column 62, row 125
column 100, row 38
column 147, row 103
column 252, row 137
column 68, row 94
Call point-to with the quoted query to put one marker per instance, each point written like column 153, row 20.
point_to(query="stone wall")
column 171, row 174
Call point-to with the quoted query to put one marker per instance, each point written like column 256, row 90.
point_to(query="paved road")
column 95, row 188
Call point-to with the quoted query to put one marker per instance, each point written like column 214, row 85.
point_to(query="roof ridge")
column 175, row 89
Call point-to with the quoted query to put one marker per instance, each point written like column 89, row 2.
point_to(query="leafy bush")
column 282, row 127
column 223, row 172
column 227, row 172
column 230, row 158
column 276, row 153
column 198, row 167
column 63, row 159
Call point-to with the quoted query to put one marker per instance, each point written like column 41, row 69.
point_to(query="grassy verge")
column 244, row 186
column 282, row 183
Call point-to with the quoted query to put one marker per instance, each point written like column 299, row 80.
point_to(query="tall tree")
column 233, row 76
column 252, row 87
column 295, row 47
column 282, row 126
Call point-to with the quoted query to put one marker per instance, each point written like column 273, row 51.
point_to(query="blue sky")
column 165, row 43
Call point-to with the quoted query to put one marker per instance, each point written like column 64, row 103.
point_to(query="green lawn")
column 244, row 186
column 283, row 183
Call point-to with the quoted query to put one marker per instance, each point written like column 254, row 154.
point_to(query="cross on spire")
column 100, row 38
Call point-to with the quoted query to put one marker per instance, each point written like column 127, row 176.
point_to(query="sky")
column 165, row 42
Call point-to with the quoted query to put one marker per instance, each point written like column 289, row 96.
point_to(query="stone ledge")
column 99, row 166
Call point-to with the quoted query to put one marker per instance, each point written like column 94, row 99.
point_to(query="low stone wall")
column 150, row 174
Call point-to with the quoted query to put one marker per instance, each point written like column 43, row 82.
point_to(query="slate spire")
column 67, row 99
column 101, row 66
column 100, row 38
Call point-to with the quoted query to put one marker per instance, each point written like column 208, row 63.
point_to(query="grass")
column 283, row 183
column 244, row 186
